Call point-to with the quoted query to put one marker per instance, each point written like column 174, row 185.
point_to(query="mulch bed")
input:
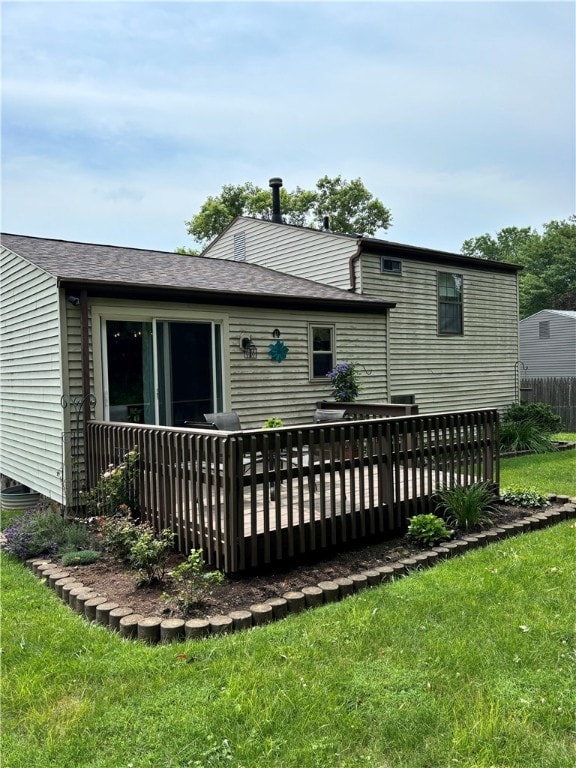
column 110, row 578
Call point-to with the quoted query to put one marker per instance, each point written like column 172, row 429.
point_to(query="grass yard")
column 546, row 472
column 469, row 664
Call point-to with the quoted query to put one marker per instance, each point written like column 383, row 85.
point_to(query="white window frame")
column 141, row 313
column 312, row 353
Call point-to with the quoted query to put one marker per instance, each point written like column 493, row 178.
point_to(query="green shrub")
column 149, row 554
column 82, row 557
column 524, row 436
column 428, row 530
column 194, row 581
column 467, row 507
column 272, row 423
column 523, row 497
column 540, row 415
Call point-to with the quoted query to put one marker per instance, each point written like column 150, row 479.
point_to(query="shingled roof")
column 113, row 269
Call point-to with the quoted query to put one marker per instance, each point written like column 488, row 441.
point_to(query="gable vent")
column 544, row 329
column 240, row 246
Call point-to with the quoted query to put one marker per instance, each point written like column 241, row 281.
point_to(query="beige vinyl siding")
column 260, row 388
column 30, row 377
column 476, row 369
column 320, row 256
column 554, row 356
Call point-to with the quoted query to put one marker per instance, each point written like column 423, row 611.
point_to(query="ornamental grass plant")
column 466, row 506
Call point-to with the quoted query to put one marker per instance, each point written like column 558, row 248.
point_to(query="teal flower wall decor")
column 277, row 351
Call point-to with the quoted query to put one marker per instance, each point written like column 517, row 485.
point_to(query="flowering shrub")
column 41, row 531
column 115, row 491
column 118, row 534
column 345, row 382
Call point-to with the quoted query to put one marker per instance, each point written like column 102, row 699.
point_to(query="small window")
column 402, row 399
column 450, row 304
column 544, row 329
column 240, row 246
column 321, row 350
column 390, row 265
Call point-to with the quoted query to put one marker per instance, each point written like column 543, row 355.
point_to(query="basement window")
column 390, row 265
column 402, row 399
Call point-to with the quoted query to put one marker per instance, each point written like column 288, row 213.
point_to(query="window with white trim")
column 450, row 289
column 321, row 341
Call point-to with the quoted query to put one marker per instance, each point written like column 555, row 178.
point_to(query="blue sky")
column 119, row 119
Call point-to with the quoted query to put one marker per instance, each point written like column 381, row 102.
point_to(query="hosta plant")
column 428, row 530
column 523, row 497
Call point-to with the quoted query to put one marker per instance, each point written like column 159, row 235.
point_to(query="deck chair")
column 230, row 422
column 227, row 420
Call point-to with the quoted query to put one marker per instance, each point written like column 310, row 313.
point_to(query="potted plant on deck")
column 345, row 381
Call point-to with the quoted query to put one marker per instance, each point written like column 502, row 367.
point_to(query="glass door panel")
column 188, row 382
column 129, row 364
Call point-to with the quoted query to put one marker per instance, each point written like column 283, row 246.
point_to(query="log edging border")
column 154, row 629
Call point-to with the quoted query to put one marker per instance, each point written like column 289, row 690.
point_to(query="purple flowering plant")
column 344, row 379
column 43, row 531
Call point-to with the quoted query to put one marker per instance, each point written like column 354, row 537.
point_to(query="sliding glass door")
column 161, row 372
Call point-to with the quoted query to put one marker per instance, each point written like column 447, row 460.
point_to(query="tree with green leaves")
column 349, row 206
column 548, row 280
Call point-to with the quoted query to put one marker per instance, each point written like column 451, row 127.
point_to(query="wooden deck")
column 213, row 490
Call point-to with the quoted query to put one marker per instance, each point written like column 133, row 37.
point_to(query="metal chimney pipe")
column 275, row 184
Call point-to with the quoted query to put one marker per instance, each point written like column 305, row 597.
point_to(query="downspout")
column 388, row 374
column 352, row 264
column 85, row 363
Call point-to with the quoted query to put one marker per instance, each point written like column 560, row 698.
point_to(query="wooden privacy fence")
column 558, row 392
column 255, row 497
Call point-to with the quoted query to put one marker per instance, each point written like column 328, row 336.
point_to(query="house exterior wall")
column 32, row 418
column 551, row 356
column 473, row 370
column 319, row 256
column 258, row 389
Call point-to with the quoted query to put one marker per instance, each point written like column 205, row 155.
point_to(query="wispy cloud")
column 437, row 106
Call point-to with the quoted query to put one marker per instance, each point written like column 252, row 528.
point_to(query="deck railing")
column 256, row 497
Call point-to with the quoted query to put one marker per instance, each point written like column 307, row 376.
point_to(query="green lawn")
column 546, row 472
column 470, row 664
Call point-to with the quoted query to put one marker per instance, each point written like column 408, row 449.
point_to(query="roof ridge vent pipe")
column 275, row 184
